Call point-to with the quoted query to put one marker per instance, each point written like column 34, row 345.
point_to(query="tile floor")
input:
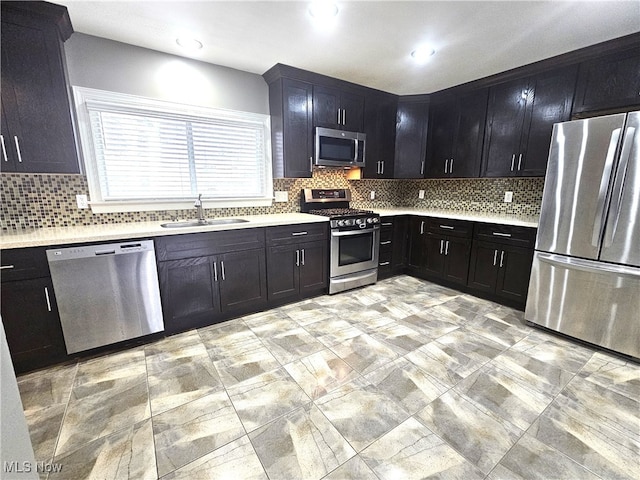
column 400, row 380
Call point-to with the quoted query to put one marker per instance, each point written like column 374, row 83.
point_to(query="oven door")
column 354, row 250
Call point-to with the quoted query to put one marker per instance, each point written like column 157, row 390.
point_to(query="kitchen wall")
column 42, row 200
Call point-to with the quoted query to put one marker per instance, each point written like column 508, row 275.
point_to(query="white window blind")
column 147, row 151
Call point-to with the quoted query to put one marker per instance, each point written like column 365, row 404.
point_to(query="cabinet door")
column 483, row 266
column 326, row 103
column 443, row 119
column 313, row 267
column 416, row 246
column 189, row 293
column 551, row 102
column 456, row 267
column 8, row 162
column 283, row 272
column 505, row 119
column 32, row 66
column 609, row 82
column 513, row 274
column 242, row 280
column 352, row 106
column 411, row 139
column 380, row 127
column 297, row 131
column 467, row 145
column 31, row 323
column 434, row 258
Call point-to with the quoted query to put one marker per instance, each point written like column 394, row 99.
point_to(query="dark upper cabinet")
column 37, row 131
column 411, row 136
column 290, row 103
column 609, row 82
column 456, row 131
column 380, row 128
column 339, row 109
column 520, row 119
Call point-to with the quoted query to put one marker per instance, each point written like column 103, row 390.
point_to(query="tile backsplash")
column 49, row 200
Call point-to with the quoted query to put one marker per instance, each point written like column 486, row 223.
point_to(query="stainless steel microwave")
column 337, row 148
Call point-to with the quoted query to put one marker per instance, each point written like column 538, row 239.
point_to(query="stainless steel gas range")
column 355, row 237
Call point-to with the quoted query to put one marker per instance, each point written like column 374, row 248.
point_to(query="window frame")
column 83, row 96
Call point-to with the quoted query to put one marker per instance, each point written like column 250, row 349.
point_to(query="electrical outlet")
column 82, row 201
column 372, row 195
column 508, row 197
column 281, row 196
column 421, row 194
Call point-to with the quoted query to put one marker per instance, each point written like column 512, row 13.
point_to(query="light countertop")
column 39, row 237
column 515, row 220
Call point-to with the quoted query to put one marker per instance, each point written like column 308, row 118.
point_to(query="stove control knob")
column 340, row 223
column 369, row 220
column 376, row 219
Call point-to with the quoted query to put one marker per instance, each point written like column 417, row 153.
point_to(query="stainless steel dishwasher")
column 106, row 293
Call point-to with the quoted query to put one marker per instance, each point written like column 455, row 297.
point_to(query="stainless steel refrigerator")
column 585, row 280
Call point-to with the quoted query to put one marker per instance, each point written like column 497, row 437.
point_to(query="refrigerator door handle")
column 618, row 186
column 601, row 207
column 574, row 263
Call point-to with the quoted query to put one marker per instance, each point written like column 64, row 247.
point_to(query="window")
column 144, row 154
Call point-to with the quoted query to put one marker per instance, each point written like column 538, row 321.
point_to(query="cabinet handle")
column 446, row 163
column 297, row 234
column 7, row 267
column 303, row 257
column 501, row 258
column 447, row 227
column 382, row 164
column 384, row 264
column 422, row 168
column 390, row 224
column 17, row 142
column 222, row 269
column 297, row 258
column 441, row 246
column 513, row 159
column 495, row 257
column 451, row 166
column 500, row 234
column 338, row 117
column 446, row 250
column 311, row 164
column 422, row 227
column 46, row 295
column 387, row 242
column 4, row 149
column 215, row 271
column 519, row 161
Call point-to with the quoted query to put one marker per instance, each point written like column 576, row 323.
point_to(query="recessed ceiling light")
column 423, row 53
column 323, row 9
column 189, row 43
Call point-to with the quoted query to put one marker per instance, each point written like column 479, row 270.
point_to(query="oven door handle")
column 355, row 232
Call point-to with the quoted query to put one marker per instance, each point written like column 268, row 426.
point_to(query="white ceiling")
column 371, row 41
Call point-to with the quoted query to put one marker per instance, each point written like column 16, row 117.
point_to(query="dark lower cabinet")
column 205, row 290
column 296, row 268
column 31, row 323
column 393, row 246
column 206, row 278
column 434, row 254
column 501, row 268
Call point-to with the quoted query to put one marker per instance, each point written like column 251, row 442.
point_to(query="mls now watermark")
column 27, row 467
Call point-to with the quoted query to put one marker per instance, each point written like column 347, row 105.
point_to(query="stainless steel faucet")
column 200, row 210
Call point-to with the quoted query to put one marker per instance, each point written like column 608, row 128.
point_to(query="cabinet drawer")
column 450, row 227
column 288, row 234
column 505, row 234
column 209, row 243
column 23, row 264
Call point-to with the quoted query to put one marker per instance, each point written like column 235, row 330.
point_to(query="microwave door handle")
column 356, row 146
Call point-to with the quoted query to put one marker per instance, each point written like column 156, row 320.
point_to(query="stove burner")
column 339, row 212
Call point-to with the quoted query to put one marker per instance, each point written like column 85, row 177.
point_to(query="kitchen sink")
column 196, row 223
